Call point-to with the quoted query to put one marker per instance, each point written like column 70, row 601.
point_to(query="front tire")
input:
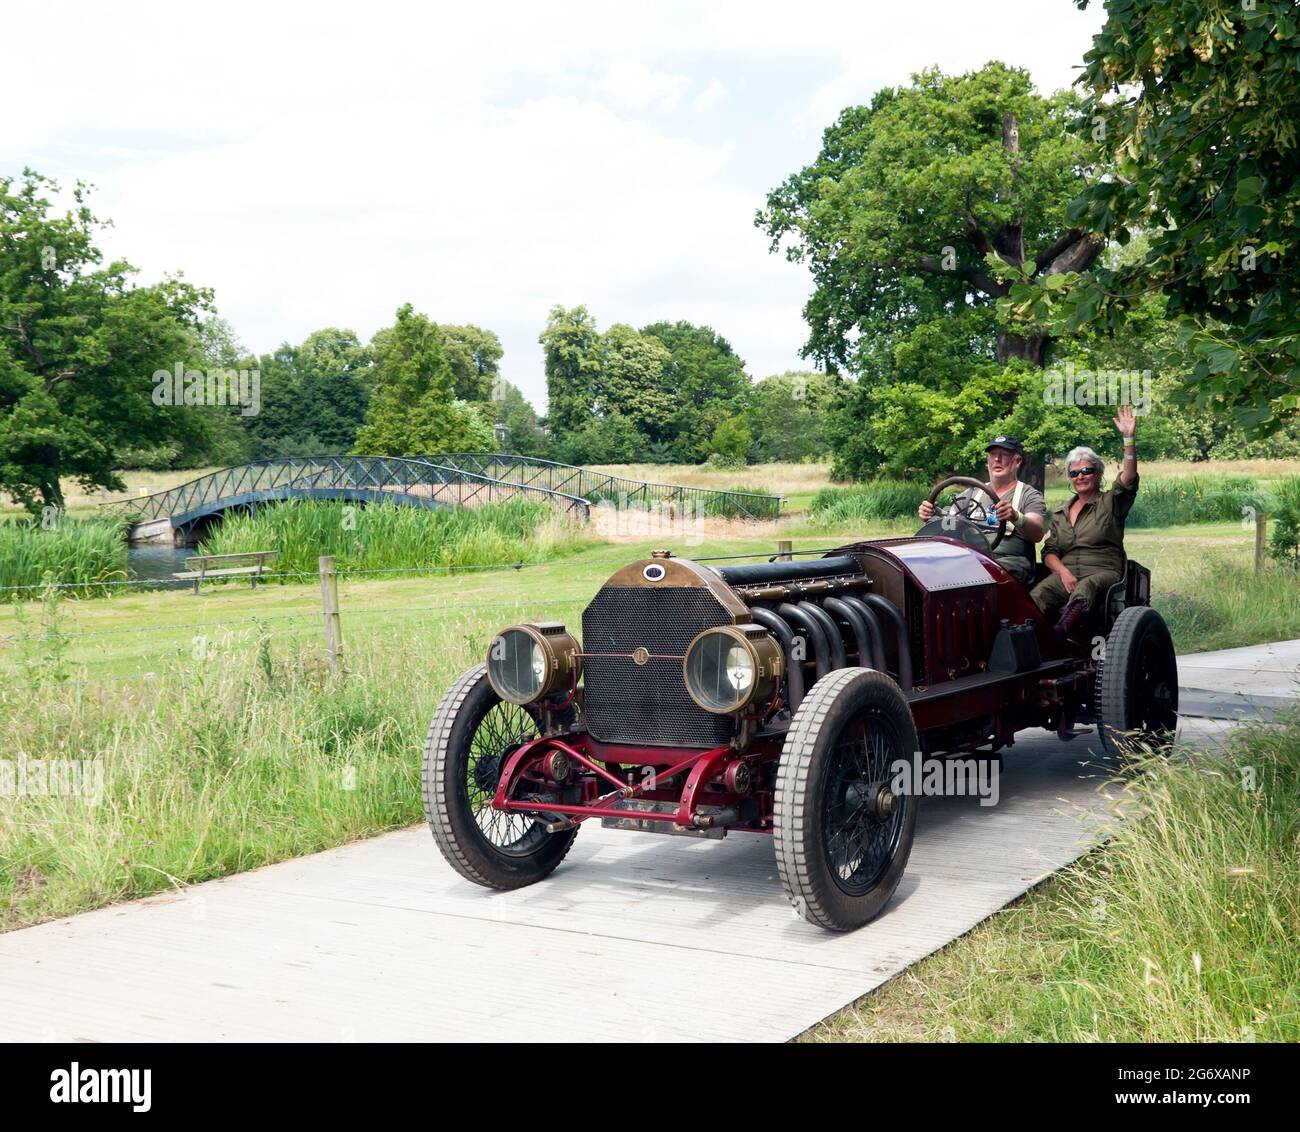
column 842, row 837
column 1137, row 685
column 473, row 733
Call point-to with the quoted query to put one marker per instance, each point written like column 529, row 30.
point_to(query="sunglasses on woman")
column 1082, row 472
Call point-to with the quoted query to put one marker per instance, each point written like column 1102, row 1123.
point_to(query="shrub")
column 724, row 462
column 1285, row 542
column 732, row 439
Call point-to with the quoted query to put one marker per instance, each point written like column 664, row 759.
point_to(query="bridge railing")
column 441, row 486
column 597, row 487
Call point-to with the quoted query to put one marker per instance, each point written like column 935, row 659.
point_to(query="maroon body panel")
column 954, row 601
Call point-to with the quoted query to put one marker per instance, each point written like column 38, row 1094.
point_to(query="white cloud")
column 320, row 165
column 711, row 96
column 630, row 83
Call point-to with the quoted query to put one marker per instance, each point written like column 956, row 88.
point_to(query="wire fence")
column 61, row 638
column 345, row 573
column 255, row 625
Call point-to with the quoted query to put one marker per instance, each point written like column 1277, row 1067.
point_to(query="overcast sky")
column 319, row 165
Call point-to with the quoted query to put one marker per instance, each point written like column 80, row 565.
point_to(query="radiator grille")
column 625, row 702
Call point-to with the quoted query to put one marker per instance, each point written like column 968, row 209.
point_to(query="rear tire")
column 840, row 856
column 472, row 734
column 1137, row 684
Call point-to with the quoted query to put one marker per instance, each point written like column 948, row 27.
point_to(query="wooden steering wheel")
column 967, row 481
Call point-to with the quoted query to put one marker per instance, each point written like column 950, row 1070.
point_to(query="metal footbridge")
column 446, row 481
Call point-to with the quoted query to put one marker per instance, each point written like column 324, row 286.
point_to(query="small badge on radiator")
column 653, row 573
column 640, row 655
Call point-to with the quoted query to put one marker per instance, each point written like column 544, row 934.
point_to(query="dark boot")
column 1074, row 612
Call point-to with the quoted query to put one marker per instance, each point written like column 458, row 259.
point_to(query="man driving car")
column 1020, row 507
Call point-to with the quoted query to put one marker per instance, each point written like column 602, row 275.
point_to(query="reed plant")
column 67, row 551
column 392, row 537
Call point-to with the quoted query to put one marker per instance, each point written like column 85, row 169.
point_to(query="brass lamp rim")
column 765, row 674
column 561, row 657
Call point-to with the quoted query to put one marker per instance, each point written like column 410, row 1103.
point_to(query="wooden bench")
column 251, row 565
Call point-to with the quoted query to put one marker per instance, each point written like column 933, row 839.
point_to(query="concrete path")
column 635, row 937
column 1257, row 680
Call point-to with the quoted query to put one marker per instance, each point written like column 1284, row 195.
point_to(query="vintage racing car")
column 774, row 698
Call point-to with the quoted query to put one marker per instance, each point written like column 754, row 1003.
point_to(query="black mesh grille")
column 626, row 702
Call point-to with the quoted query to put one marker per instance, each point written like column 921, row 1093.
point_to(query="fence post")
column 329, row 594
column 784, row 550
column 1261, row 529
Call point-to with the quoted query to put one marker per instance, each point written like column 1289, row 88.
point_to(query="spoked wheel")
column 842, row 836
column 472, row 735
column 1137, row 685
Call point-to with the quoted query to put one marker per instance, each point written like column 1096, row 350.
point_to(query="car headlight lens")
column 531, row 661
column 728, row 668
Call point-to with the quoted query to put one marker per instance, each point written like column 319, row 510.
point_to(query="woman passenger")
column 1085, row 547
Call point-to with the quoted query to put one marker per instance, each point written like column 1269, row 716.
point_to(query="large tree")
column 706, row 381
column 333, row 367
column 927, row 201
column 474, row 355
column 789, row 414
column 413, row 411
column 1195, row 103
column 314, row 396
column 79, row 345
column 631, row 380
column 571, row 343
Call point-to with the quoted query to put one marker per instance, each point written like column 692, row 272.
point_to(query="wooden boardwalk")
column 641, row 937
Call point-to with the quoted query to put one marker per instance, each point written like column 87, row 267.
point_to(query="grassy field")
column 1182, row 929
column 224, row 745
column 1202, row 578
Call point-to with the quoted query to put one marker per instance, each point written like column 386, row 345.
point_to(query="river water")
column 158, row 563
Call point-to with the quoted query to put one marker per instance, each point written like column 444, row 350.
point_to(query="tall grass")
column 1226, row 605
column 229, row 756
column 211, row 768
column 389, row 536
column 728, row 507
column 1197, row 499
column 877, row 501
column 1181, row 929
column 71, row 551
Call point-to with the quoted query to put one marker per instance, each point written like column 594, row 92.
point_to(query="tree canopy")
column 706, row 381
column 913, row 197
column 314, row 396
column 1195, row 106
column 670, row 384
column 413, row 410
column 78, row 347
column 474, row 357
